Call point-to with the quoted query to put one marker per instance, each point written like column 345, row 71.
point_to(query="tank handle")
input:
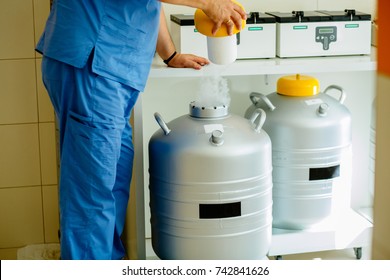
column 255, row 115
column 161, row 123
column 343, row 95
column 254, row 96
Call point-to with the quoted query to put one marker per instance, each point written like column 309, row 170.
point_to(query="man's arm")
column 165, row 48
column 219, row 11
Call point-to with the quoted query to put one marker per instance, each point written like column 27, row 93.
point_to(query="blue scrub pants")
column 96, row 153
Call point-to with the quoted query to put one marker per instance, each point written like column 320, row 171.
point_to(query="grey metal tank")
column 211, row 186
column 311, row 146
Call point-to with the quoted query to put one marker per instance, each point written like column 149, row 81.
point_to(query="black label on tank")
column 218, row 211
column 324, row 173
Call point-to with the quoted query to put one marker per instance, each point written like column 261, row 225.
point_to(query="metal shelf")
column 346, row 230
column 351, row 231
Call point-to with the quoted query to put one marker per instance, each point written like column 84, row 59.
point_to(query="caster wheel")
column 358, row 252
column 278, row 258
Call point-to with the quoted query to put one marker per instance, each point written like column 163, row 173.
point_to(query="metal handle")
column 343, row 95
column 255, row 115
column 161, row 123
column 254, row 96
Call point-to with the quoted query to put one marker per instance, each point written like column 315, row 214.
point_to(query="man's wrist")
column 166, row 61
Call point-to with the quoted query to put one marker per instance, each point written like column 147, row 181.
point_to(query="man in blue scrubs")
column 96, row 59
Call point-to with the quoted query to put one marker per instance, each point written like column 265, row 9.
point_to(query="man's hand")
column 224, row 11
column 188, row 61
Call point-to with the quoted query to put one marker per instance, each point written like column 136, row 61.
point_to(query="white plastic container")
column 222, row 50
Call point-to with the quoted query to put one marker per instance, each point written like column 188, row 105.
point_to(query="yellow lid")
column 298, row 85
column 205, row 25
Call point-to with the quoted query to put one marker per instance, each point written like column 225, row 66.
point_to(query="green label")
column 355, row 25
column 255, row 28
column 299, row 27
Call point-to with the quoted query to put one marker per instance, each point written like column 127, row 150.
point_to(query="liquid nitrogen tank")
column 311, row 150
column 211, row 186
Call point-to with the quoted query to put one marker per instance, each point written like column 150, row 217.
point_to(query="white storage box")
column 322, row 33
column 257, row 40
column 185, row 37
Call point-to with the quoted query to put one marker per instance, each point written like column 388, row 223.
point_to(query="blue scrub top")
column 122, row 33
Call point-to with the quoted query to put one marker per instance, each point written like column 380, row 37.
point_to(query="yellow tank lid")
column 298, row 85
column 205, row 25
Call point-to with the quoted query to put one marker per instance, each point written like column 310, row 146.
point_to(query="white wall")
column 171, row 97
